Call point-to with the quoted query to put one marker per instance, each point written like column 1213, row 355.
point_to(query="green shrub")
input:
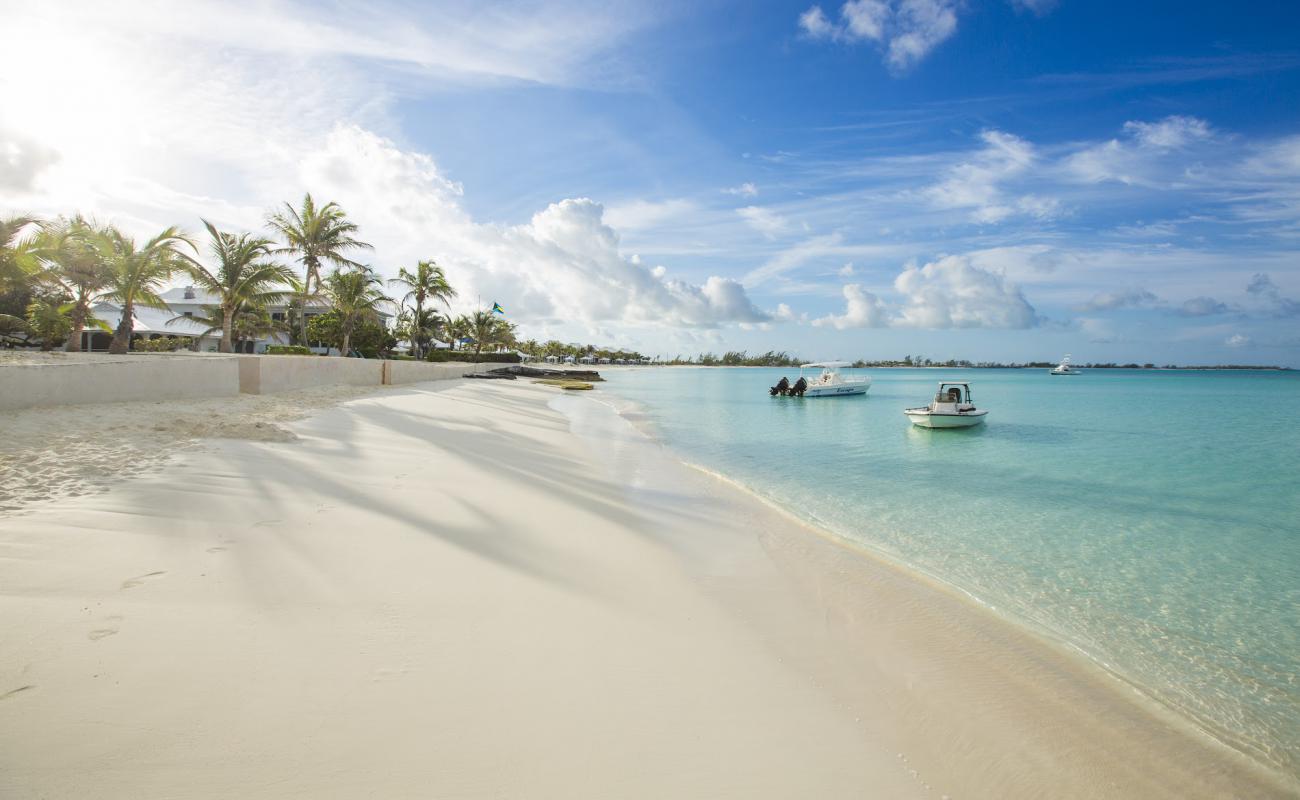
column 467, row 355
column 287, row 350
column 163, row 344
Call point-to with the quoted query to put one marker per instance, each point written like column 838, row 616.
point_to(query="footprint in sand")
column 139, row 579
column 96, row 635
column 19, row 690
column 216, row 549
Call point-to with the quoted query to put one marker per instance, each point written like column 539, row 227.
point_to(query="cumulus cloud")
column 948, row 293
column 845, row 271
column 1237, row 340
column 563, row 265
column 907, row 30
column 976, row 183
column 1133, row 158
column 1126, row 298
column 862, row 310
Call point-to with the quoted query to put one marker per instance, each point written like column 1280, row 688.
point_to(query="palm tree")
column 457, row 328
column 136, row 274
column 317, row 235
column 47, row 319
column 356, row 295
column 419, row 326
column 17, row 262
column 74, row 267
column 484, row 327
column 427, row 283
column 241, row 277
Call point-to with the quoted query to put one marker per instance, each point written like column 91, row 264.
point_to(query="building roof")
column 151, row 320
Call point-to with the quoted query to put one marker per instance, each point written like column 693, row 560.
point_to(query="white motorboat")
column 1064, row 368
column 831, row 382
column 951, row 408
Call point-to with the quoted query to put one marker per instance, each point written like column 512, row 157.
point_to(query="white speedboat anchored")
column 1064, row 368
column 951, row 408
column 829, row 383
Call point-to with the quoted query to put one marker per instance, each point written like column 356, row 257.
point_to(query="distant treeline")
column 774, row 358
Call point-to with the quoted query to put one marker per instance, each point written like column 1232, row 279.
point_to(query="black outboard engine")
column 799, row 386
column 781, row 388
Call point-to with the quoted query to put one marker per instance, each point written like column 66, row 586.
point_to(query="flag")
column 497, row 309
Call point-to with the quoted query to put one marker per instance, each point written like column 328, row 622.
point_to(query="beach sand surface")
column 442, row 591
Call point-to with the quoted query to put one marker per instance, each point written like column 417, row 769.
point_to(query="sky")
column 981, row 179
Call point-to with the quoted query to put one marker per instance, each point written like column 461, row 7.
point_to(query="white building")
column 185, row 303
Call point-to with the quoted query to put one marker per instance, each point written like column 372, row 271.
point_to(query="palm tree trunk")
column 347, row 341
column 227, row 324
column 418, row 344
column 302, row 311
column 78, row 325
column 122, row 336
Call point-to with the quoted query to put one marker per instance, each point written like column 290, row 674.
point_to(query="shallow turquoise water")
column 1150, row 518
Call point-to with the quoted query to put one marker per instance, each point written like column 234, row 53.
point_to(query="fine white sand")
column 441, row 591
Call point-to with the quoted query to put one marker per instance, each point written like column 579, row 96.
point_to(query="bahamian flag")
column 497, row 309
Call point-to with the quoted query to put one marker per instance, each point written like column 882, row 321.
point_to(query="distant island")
column 774, row 358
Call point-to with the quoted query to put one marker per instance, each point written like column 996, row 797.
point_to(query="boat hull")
column 836, row 391
column 923, row 418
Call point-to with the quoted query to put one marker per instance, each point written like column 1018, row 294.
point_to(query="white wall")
column 112, row 379
column 98, row 378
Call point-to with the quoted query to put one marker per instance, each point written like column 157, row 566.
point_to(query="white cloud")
column 745, row 189
column 948, row 293
column 907, row 29
column 845, row 271
column 1237, row 340
column 976, row 183
column 862, row 309
column 563, row 265
column 865, row 19
column 764, row 220
column 1137, row 158
column 814, row 23
column 1169, row 133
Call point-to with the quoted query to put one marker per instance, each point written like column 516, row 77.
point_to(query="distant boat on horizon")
column 1064, row 368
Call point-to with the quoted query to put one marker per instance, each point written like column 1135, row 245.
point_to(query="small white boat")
column 831, row 383
column 1064, row 368
column 951, row 408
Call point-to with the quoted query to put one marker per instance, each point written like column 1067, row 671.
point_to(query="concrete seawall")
column 114, row 379
column 94, row 378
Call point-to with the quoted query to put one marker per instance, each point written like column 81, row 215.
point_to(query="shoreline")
column 427, row 584
column 1089, row 667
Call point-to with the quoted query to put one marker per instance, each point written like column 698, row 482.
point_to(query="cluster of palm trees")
column 56, row 271
column 562, row 350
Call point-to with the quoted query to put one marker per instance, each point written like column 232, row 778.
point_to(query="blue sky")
column 999, row 179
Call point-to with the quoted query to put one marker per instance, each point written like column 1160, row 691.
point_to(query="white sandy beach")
column 488, row 589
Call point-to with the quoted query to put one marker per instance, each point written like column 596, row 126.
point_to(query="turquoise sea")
column 1151, row 519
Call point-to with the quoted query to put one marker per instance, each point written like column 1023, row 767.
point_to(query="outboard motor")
column 799, row 386
column 781, row 388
